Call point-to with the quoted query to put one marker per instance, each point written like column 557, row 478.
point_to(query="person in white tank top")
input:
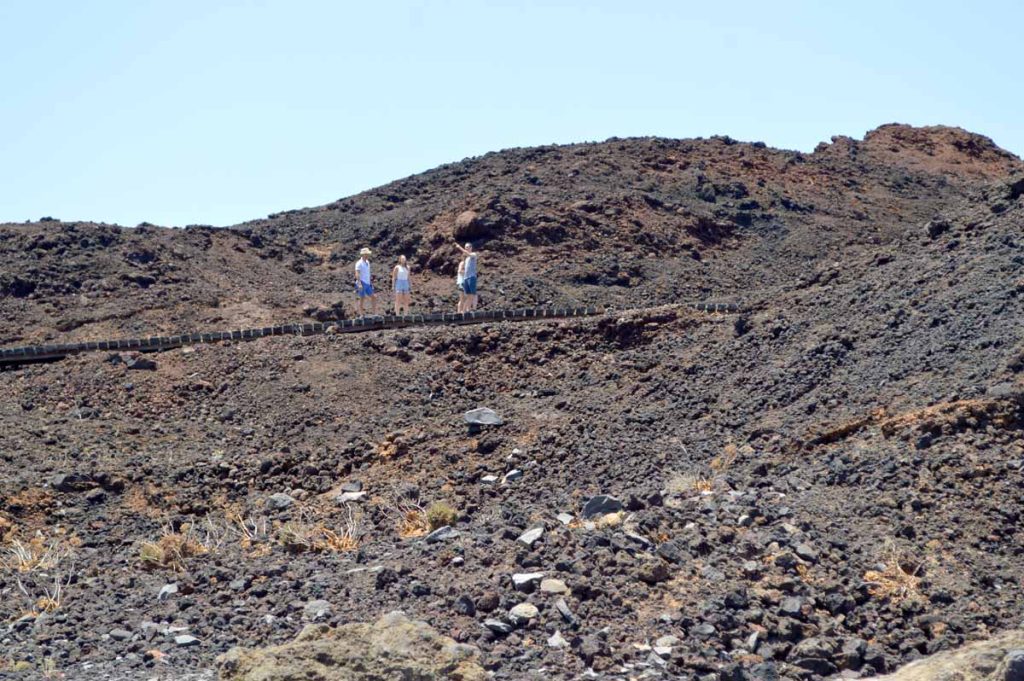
column 401, row 283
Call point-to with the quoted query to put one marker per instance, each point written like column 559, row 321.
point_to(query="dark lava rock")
column 385, row 578
column 592, row 647
column 464, row 606
column 141, row 364
column 792, row 606
column 653, row 572
column 499, row 626
column 1014, row 662
column 602, row 504
column 120, row 634
column 488, row 602
column 72, row 482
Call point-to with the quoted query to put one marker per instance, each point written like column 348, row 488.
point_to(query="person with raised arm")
column 469, row 281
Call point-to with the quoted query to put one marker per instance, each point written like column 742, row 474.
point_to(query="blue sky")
column 216, row 112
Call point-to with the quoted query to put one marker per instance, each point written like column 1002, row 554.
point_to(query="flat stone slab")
column 482, row 416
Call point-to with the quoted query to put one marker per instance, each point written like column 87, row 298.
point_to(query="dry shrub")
column 707, row 479
column 40, row 569
column 895, row 581
column 440, row 514
column 721, row 464
column 304, row 535
column 413, row 523
column 37, row 553
column 684, row 483
column 252, row 532
column 45, row 597
column 296, row 536
column 171, row 550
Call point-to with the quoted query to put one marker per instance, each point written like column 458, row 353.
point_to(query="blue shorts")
column 364, row 289
column 469, row 286
column 402, row 286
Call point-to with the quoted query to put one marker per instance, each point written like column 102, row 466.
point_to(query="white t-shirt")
column 401, row 273
column 363, row 268
column 470, row 265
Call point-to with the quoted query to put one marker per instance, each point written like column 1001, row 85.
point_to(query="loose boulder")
column 601, row 505
column 393, row 647
column 482, row 416
column 997, row 659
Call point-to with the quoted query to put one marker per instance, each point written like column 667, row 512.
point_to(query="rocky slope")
column 827, row 483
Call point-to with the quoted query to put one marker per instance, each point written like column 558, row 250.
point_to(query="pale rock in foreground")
column 392, row 647
column 996, row 659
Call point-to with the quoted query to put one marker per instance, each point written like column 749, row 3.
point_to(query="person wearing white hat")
column 364, row 284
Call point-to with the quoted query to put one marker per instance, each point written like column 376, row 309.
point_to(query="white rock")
column 482, row 416
column 525, row 581
column 167, row 590
column 553, row 586
column 531, row 535
column 316, row 610
column 522, row 613
column 556, row 640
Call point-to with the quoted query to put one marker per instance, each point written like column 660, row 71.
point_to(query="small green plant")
column 439, row 514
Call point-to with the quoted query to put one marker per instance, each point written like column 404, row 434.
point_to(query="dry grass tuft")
column 706, row 480
column 305, row 534
column 171, row 550
column 253, row 533
column 413, row 523
column 38, row 553
column 895, row 582
column 721, row 464
column 42, row 568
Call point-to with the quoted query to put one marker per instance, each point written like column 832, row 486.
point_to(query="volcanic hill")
column 829, row 481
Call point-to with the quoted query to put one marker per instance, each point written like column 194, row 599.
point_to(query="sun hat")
column 365, row 251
